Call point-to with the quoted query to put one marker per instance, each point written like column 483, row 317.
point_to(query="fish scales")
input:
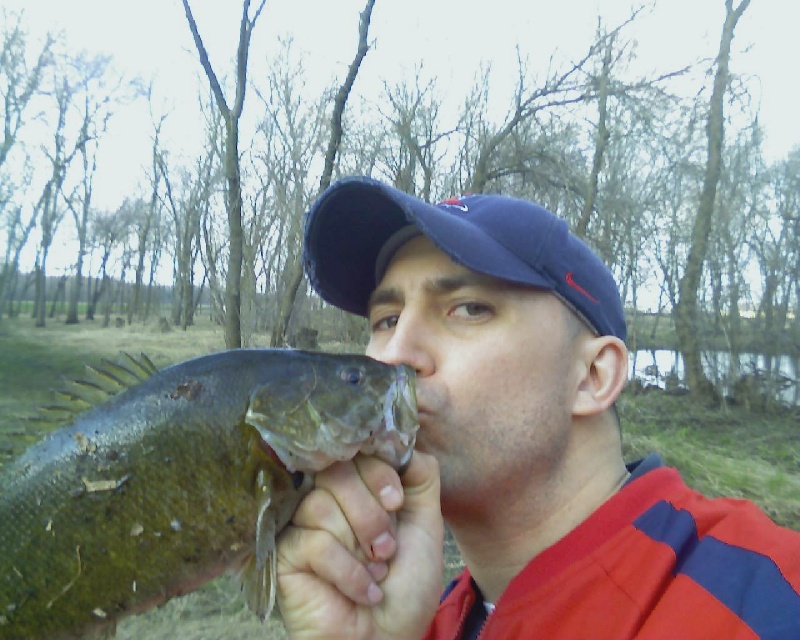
column 171, row 482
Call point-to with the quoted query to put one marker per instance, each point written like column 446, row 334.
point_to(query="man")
column 516, row 331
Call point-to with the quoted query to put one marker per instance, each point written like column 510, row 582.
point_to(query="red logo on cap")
column 571, row 282
column 455, row 202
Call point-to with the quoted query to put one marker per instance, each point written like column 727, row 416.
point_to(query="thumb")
column 421, row 486
column 414, row 582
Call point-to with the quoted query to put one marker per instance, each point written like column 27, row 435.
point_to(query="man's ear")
column 605, row 374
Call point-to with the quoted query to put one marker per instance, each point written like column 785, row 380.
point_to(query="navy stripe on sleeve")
column 749, row 583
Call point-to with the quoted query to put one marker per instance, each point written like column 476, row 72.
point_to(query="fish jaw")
column 297, row 457
column 394, row 442
column 390, row 435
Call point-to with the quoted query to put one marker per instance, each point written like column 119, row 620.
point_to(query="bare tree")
column 295, row 271
column 96, row 113
column 148, row 224
column 50, row 210
column 604, row 87
column 107, row 231
column 291, row 137
column 231, row 115
column 775, row 241
column 187, row 200
column 560, row 89
column 686, row 312
column 213, row 227
column 20, row 82
column 18, row 231
column 415, row 135
column 601, row 138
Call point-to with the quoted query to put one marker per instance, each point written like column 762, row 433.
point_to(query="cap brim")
column 345, row 231
column 352, row 221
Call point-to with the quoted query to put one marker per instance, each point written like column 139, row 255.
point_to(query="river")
column 779, row 374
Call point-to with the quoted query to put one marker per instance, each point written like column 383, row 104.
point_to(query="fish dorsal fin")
column 99, row 383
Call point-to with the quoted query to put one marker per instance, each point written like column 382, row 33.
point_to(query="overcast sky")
column 150, row 38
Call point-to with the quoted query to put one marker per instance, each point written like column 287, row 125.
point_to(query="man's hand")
column 362, row 558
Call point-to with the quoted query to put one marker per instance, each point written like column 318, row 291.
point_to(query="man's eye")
column 470, row 310
column 383, row 324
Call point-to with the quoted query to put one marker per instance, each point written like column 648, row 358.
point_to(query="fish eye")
column 351, row 375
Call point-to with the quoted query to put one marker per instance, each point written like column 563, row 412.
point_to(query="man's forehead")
column 417, row 245
column 434, row 278
column 420, row 260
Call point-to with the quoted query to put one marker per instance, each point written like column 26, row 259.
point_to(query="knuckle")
column 318, row 509
column 355, row 579
column 375, row 473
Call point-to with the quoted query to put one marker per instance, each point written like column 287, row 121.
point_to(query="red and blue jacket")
column 656, row 561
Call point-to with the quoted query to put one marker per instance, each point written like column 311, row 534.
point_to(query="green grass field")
column 719, row 451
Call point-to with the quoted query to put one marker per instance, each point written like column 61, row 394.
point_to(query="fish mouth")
column 394, row 440
column 390, row 435
column 400, row 415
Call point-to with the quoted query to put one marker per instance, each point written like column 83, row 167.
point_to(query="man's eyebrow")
column 439, row 286
column 386, row 295
column 448, row 284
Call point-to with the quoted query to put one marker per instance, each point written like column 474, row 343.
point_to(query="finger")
column 358, row 498
column 320, row 510
column 421, row 479
column 318, row 552
column 382, row 480
column 421, row 522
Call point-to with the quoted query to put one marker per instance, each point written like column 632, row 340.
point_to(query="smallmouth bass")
column 180, row 476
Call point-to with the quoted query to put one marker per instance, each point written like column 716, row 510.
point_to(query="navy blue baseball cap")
column 355, row 226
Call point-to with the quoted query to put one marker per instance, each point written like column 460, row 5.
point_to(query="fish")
column 162, row 480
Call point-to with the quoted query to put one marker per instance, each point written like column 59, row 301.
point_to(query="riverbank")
column 728, row 451
column 648, row 331
column 720, row 450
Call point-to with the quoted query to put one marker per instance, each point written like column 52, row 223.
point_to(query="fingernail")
column 390, row 498
column 378, row 570
column 374, row 593
column 382, row 547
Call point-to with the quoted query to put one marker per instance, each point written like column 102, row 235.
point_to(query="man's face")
column 496, row 366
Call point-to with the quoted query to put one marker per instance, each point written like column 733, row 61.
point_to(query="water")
column 780, row 375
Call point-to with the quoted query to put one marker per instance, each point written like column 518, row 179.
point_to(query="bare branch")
column 245, row 32
column 342, row 95
column 216, row 89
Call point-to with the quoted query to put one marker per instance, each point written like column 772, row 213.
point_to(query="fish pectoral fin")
column 258, row 585
column 257, row 576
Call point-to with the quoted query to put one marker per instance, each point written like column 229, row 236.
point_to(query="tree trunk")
column 89, row 297
column 58, row 296
column 37, row 285
column 687, row 320
column 601, row 142
column 233, row 195
column 295, row 270
column 233, row 278
column 41, row 291
column 75, row 293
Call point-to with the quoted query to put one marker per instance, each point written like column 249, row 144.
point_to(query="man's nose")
column 411, row 343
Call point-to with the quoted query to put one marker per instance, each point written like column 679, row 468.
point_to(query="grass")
column 719, row 451
column 34, row 361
